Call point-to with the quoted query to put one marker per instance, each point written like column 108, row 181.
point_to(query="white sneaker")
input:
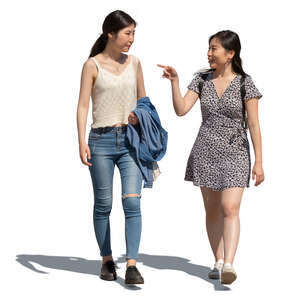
column 215, row 272
column 228, row 275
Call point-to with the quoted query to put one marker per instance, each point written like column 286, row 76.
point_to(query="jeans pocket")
column 94, row 136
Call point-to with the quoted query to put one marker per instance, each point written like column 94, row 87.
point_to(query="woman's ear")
column 231, row 54
column 111, row 35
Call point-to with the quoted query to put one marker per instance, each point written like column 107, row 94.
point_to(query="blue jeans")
column 108, row 149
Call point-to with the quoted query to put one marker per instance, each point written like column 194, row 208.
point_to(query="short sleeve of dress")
column 251, row 89
column 194, row 84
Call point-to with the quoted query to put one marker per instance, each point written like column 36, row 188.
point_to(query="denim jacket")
column 148, row 138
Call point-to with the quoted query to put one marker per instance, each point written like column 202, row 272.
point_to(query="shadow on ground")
column 92, row 267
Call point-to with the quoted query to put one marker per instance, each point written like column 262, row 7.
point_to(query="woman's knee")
column 231, row 201
column 212, row 205
column 230, row 211
column 131, row 204
column 103, row 206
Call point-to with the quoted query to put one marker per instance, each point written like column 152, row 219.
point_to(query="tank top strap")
column 97, row 64
column 135, row 62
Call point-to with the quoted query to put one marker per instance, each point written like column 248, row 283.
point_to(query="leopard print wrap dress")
column 220, row 156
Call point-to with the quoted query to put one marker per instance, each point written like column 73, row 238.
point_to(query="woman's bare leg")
column 214, row 220
column 230, row 201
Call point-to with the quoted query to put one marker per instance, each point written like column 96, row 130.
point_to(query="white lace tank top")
column 114, row 96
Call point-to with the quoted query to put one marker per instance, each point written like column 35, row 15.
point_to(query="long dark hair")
column 231, row 41
column 113, row 22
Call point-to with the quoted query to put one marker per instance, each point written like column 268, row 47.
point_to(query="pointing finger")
column 161, row 66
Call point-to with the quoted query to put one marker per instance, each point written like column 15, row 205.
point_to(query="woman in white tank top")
column 114, row 81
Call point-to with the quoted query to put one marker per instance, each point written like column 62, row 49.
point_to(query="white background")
column 46, row 193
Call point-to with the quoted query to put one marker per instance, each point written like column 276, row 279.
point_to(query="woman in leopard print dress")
column 219, row 162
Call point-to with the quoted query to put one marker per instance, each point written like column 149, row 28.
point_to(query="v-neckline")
column 219, row 98
column 118, row 75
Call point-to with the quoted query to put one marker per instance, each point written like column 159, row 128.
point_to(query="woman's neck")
column 224, row 72
column 111, row 53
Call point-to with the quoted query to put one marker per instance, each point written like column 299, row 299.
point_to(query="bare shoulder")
column 89, row 68
column 89, row 64
column 134, row 58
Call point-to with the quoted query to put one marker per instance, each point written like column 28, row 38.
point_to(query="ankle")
column 131, row 262
column 228, row 264
column 105, row 259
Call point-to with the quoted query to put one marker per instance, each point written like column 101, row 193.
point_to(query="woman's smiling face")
column 217, row 55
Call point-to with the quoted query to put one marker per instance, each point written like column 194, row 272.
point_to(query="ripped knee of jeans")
column 130, row 195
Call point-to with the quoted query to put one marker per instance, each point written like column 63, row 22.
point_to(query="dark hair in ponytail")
column 113, row 22
column 231, row 41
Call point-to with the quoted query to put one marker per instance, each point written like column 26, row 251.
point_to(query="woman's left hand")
column 258, row 174
column 132, row 118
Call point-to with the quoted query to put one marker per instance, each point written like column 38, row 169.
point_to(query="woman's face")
column 217, row 55
column 124, row 39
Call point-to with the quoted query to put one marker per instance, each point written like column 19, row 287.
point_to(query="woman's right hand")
column 85, row 153
column 169, row 72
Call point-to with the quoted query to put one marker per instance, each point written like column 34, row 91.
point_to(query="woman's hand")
column 133, row 119
column 258, row 174
column 169, row 72
column 85, row 152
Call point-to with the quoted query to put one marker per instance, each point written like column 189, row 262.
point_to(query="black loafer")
column 108, row 271
column 133, row 276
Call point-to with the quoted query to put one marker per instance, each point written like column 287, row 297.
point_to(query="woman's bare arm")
column 182, row 105
column 254, row 128
column 88, row 74
column 141, row 92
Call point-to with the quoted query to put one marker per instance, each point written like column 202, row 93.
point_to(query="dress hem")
column 198, row 184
